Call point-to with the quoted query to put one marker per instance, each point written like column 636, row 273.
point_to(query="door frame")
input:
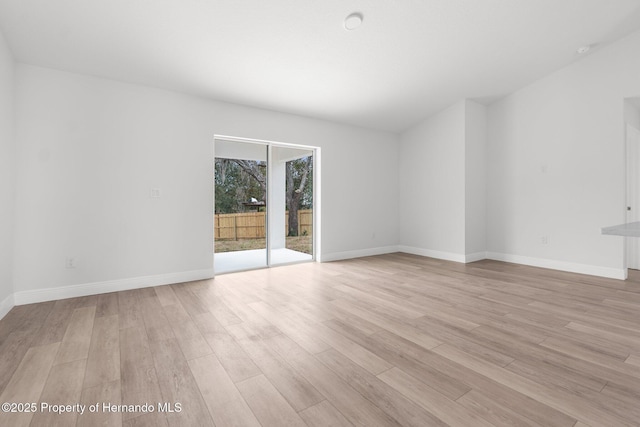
column 316, row 236
column 632, row 194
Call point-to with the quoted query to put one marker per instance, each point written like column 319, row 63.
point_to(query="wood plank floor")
column 379, row 341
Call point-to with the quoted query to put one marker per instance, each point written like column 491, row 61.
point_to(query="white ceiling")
column 408, row 60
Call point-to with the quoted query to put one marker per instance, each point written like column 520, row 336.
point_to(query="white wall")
column 7, row 176
column 432, row 186
column 631, row 114
column 89, row 150
column 475, row 180
column 443, row 185
column 556, row 164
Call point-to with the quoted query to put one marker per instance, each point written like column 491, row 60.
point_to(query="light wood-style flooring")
column 392, row 340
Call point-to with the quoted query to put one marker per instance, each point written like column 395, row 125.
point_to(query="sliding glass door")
column 264, row 204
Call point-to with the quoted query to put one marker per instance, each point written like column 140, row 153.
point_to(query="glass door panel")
column 240, row 219
column 291, row 205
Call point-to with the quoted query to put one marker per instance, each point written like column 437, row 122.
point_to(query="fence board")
column 251, row 225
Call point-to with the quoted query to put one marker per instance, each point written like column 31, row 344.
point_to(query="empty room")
column 320, row 213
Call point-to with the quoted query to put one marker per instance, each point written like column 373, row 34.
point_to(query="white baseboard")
column 73, row 291
column 477, row 256
column 592, row 270
column 50, row 294
column 613, row 273
column 447, row 256
column 6, row 305
column 337, row 256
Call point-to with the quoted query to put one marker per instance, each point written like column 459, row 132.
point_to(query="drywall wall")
column 556, row 162
column 7, row 174
column 475, row 180
column 632, row 113
column 443, row 185
column 432, row 186
column 90, row 151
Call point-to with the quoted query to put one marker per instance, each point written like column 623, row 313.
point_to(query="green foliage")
column 297, row 168
column 233, row 185
column 237, row 181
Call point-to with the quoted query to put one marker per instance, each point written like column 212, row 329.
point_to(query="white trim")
column 337, row 256
column 268, row 214
column 475, row 257
column 262, row 142
column 448, row 256
column 212, row 180
column 317, row 203
column 6, row 305
column 62, row 292
column 592, row 270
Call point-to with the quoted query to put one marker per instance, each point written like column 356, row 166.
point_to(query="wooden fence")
column 251, row 225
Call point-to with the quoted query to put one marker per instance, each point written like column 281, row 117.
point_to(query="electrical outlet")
column 544, row 240
column 70, row 262
column 156, row 193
